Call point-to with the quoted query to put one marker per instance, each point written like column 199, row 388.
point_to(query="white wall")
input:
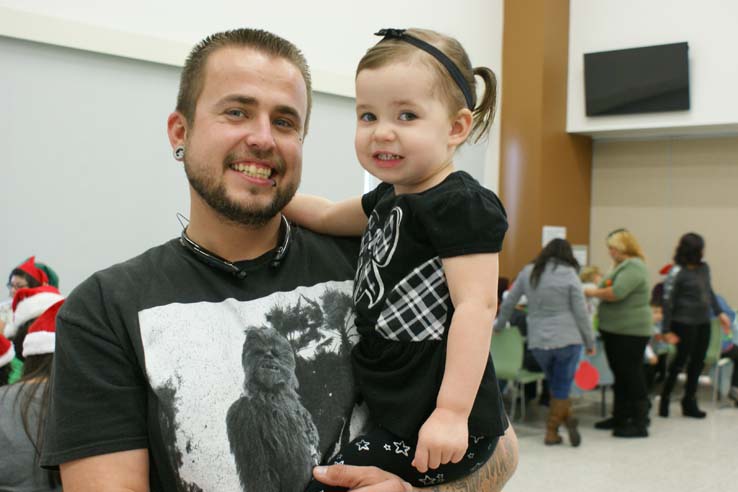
column 709, row 26
column 86, row 172
column 332, row 33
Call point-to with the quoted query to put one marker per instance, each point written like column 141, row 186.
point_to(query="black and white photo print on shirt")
column 253, row 393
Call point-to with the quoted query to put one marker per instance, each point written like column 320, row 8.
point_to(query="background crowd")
column 650, row 334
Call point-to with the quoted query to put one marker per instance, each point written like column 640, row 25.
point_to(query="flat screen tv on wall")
column 638, row 80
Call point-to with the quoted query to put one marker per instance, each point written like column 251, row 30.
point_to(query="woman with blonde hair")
column 625, row 326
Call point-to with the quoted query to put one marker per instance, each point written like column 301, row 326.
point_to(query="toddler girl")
column 425, row 288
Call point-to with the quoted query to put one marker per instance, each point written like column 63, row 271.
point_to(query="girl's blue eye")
column 367, row 117
column 407, row 116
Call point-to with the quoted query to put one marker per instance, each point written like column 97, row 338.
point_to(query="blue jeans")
column 559, row 365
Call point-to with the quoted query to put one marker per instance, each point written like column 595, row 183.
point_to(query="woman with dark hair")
column 625, row 326
column 23, row 410
column 28, row 274
column 558, row 325
column 688, row 304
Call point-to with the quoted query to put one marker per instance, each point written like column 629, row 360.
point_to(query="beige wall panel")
column 662, row 189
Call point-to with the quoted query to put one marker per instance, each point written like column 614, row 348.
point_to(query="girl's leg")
column 682, row 353
column 565, row 365
column 383, row 449
column 697, row 354
column 547, row 360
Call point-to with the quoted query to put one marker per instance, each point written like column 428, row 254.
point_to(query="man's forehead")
column 233, row 65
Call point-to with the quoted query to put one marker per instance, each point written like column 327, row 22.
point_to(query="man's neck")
column 231, row 241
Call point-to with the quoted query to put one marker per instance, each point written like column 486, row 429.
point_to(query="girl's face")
column 404, row 134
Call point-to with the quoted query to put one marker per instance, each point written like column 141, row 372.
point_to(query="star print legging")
column 390, row 453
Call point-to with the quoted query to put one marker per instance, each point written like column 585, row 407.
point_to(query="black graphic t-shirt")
column 231, row 384
column 403, row 307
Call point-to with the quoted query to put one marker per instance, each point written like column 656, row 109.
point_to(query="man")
column 219, row 361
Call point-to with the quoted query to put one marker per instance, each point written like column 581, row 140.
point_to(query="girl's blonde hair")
column 391, row 50
column 587, row 274
column 625, row 243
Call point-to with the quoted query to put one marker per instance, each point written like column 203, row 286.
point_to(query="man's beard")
column 215, row 195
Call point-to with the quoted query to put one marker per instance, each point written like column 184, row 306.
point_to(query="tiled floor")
column 681, row 454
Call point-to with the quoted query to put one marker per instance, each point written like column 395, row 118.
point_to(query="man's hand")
column 443, row 438
column 360, row 478
column 592, row 351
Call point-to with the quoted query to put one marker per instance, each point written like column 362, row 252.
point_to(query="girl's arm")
column 346, row 218
column 472, row 284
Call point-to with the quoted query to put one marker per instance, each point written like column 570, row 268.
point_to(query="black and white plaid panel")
column 416, row 309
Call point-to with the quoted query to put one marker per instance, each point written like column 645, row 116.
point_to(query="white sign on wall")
column 552, row 232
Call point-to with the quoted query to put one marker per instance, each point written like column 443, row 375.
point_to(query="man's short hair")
column 192, row 79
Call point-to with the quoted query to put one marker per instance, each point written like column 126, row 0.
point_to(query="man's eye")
column 284, row 123
column 236, row 113
column 408, row 116
column 367, row 117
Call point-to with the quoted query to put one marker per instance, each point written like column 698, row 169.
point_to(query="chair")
column 599, row 361
column 713, row 362
column 507, row 354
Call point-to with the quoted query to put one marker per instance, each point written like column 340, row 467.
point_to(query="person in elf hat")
column 24, row 408
column 28, row 274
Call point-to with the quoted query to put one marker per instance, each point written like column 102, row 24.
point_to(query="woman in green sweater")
column 625, row 325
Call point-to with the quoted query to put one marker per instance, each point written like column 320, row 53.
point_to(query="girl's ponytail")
column 484, row 112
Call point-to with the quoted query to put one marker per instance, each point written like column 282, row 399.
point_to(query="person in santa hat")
column 24, row 407
column 28, row 274
column 28, row 304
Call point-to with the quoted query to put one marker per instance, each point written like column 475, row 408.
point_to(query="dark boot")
column 690, row 408
column 556, row 415
column 637, row 426
column 618, row 417
column 606, row 424
column 571, row 424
